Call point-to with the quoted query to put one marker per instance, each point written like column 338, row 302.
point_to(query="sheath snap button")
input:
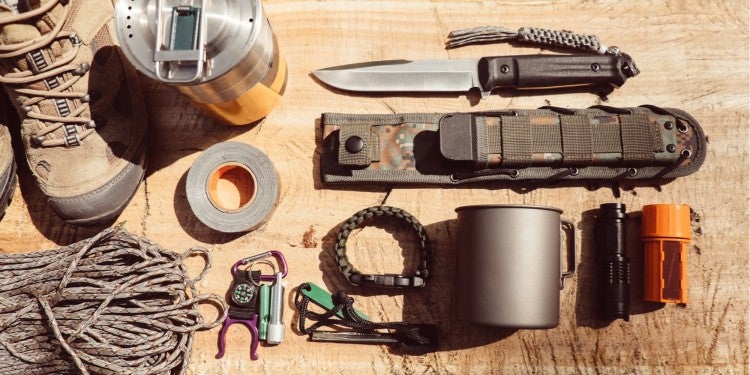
column 354, row 144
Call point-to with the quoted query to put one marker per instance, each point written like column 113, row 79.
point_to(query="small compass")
column 243, row 293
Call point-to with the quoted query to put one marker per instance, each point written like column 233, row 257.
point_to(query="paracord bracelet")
column 360, row 219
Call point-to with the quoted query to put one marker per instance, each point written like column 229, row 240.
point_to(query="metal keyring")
column 263, row 261
column 272, row 253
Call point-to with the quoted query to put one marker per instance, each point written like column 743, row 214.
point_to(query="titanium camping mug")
column 509, row 269
column 221, row 54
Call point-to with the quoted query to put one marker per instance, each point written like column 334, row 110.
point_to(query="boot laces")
column 74, row 125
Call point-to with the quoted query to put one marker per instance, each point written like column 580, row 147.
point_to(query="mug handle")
column 570, row 237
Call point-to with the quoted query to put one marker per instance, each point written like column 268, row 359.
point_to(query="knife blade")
column 485, row 73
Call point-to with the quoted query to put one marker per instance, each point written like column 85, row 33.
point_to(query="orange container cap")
column 666, row 221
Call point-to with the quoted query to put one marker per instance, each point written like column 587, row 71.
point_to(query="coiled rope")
column 111, row 304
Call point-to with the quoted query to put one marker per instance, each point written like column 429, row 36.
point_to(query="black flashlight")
column 612, row 259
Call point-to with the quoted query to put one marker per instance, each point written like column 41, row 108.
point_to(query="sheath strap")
column 483, row 149
column 546, row 139
column 576, row 140
column 494, row 140
column 606, row 139
column 638, row 143
column 516, row 140
column 369, row 150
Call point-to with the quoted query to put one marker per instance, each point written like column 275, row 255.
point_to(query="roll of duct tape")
column 232, row 187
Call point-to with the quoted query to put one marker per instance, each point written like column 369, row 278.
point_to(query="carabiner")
column 272, row 253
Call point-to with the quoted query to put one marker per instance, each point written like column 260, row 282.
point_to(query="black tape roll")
column 246, row 174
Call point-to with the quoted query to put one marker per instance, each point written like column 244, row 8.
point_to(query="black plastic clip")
column 387, row 280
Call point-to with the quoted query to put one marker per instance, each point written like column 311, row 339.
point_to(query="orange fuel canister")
column 666, row 233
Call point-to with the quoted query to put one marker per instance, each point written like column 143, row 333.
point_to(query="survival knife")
column 486, row 73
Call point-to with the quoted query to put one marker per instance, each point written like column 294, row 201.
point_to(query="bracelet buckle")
column 388, row 280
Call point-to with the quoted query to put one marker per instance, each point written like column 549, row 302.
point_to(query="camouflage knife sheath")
column 598, row 143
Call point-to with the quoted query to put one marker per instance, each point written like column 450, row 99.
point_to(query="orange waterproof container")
column 666, row 233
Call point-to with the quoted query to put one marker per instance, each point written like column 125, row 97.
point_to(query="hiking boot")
column 7, row 169
column 83, row 118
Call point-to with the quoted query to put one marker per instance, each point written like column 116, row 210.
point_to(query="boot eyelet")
column 37, row 140
column 75, row 39
column 81, row 69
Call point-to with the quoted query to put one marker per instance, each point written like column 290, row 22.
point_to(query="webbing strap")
column 482, row 145
column 544, row 138
column 637, row 143
column 516, row 140
column 607, row 138
column 370, row 152
column 386, row 119
column 494, row 139
column 576, row 140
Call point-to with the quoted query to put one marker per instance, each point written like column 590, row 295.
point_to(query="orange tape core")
column 231, row 187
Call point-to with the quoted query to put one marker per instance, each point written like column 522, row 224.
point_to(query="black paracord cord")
column 345, row 304
column 302, row 301
column 360, row 219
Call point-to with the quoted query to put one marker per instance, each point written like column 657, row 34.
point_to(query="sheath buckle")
column 387, row 280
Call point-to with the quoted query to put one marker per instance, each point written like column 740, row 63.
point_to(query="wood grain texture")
column 693, row 55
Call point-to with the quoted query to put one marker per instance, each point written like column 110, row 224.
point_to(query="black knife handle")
column 540, row 71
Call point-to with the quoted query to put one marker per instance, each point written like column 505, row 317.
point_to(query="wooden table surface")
column 693, row 55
